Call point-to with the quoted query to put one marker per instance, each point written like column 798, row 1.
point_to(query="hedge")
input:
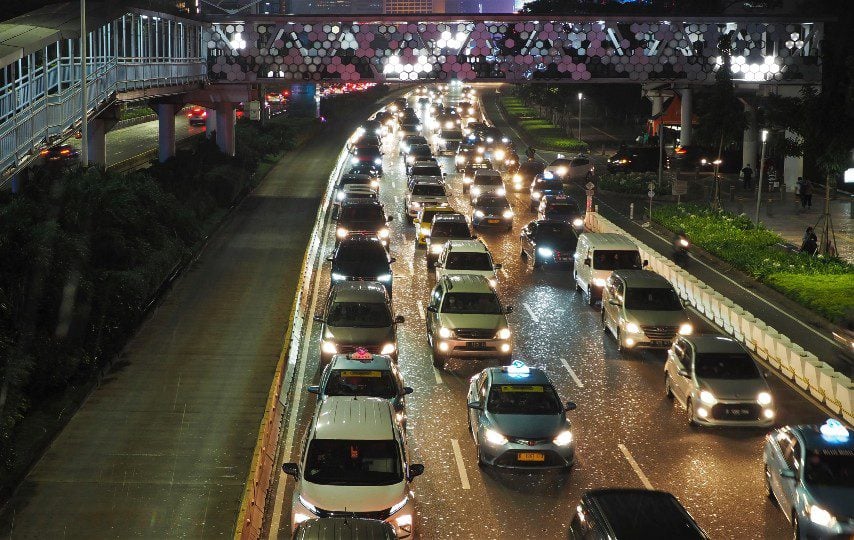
column 633, row 183
column 543, row 133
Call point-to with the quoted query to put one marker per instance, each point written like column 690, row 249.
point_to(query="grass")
column 633, row 183
column 543, row 133
column 136, row 112
column 824, row 285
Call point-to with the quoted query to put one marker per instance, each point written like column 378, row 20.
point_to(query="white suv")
column 426, row 192
column 354, row 459
column 470, row 257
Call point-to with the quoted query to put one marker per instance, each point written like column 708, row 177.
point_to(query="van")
column 599, row 254
column 354, row 462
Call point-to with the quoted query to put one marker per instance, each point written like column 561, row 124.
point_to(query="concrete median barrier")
column 833, row 389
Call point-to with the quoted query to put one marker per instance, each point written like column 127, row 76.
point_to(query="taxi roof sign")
column 518, row 369
column 834, row 431
column 361, row 354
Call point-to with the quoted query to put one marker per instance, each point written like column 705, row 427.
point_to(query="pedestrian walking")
column 799, row 191
column 747, row 177
column 807, row 191
column 810, row 242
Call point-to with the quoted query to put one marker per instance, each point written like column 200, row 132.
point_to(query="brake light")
column 65, row 152
column 679, row 150
column 44, row 152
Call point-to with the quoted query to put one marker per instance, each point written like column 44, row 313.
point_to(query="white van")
column 599, row 254
column 354, row 461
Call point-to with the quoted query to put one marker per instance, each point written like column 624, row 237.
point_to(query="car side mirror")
column 508, row 310
column 407, row 390
column 389, row 218
column 399, row 319
column 789, row 473
column 645, row 263
column 570, row 405
column 683, row 373
column 291, row 469
column 313, row 389
column 431, row 309
column 416, row 469
column 475, row 405
column 319, row 318
column 587, row 261
column 497, row 266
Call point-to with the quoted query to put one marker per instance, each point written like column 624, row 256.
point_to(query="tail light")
column 44, row 152
column 65, row 152
column 679, row 150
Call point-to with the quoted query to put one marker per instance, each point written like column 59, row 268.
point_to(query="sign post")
column 680, row 187
column 650, row 194
column 590, row 189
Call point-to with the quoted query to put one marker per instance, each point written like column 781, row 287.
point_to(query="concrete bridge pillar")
column 686, row 112
column 96, row 140
column 750, row 143
column 225, row 128
column 303, row 100
column 166, row 129
column 210, row 122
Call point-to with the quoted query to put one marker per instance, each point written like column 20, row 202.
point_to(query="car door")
column 682, row 384
column 792, row 460
column 440, row 262
column 529, row 233
column 479, row 396
column 611, row 294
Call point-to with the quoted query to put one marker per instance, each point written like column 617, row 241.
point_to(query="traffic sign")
column 680, row 187
column 651, row 186
column 650, row 194
column 590, row 186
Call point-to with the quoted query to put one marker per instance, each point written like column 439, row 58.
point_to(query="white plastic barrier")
column 828, row 386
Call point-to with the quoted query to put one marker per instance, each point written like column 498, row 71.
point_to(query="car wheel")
column 668, row 386
column 590, row 300
column 480, row 461
column 438, row 360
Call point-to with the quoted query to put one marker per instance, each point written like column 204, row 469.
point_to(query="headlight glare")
column 578, row 223
column 388, row 348
column 507, row 214
column 329, row 347
column 338, row 277
column 563, row 439
column 545, row 252
column 385, row 278
column 341, row 232
column 494, row 437
column 445, row 332
column 504, row 333
column 820, row 516
column 764, row 398
column 479, row 213
column 685, row 329
column 632, row 328
column 383, row 233
column 501, row 192
column 599, row 282
column 708, row 398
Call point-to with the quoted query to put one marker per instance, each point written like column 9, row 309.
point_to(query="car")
column 642, row 310
column 580, row 167
column 490, row 134
column 397, row 105
column 809, row 473
column 695, row 157
column 354, row 192
column 362, row 258
column 417, row 152
column 561, row 208
column 543, row 185
column 473, row 128
column 465, row 319
column 467, row 257
column 599, row 254
column 425, row 169
column 524, row 176
column 445, row 227
column 357, row 315
column 546, row 242
column 362, row 217
column 467, row 109
column 465, row 152
column 491, row 211
column 423, row 221
column 61, row 154
column 197, row 116
column 476, row 164
column 374, row 127
column 448, row 140
column 362, row 373
column 634, row 159
column 354, row 462
column 517, row 419
column 446, row 120
column 351, row 179
column 344, row 528
column 369, row 169
column 387, row 119
column 486, row 182
column 718, row 382
column 408, row 140
column 364, row 140
column 632, row 514
column 368, row 154
column 425, row 192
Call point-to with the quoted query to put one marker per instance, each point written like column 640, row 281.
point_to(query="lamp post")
column 761, row 172
column 580, row 97
column 716, row 204
column 84, row 88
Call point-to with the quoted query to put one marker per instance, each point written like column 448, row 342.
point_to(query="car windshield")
column 475, row 166
column 652, row 299
column 336, row 462
column 362, row 212
column 462, row 260
column 428, row 190
column 488, row 180
column 549, row 185
column 488, row 200
column 426, row 170
column 830, row 467
column 372, row 383
column 359, row 315
column 356, row 180
column 563, row 208
column 361, row 251
column 419, row 149
column 547, row 230
column 481, row 303
column 450, row 230
column 523, row 399
column 606, row 259
column 560, row 163
column 453, row 134
column 368, row 151
column 725, row 366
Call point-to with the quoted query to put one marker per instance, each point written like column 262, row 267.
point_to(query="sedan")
column 491, row 211
column 548, row 242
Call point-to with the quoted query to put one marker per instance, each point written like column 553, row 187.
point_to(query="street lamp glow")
column 764, row 135
column 580, row 96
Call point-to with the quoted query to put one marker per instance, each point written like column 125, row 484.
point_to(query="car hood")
column 466, row 320
column 645, row 317
column 354, row 225
column 361, row 269
column 437, row 198
column 528, row 426
column 349, row 335
column 353, row 498
column 746, row 389
column 837, row 500
column 492, row 210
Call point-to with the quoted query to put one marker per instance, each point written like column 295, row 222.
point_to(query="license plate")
column 531, row 456
column 492, row 221
column 661, row 343
column 476, row 345
column 739, row 412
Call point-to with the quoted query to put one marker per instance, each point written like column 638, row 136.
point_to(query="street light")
column 717, row 202
column 580, row 97
column 761, row 172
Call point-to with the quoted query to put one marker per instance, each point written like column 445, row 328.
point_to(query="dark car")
column 197, row 116
column 543, row 185
column 548, row 242
column 528, row 170
column 369, row 154
column 632, row 514
column 362, row 217
column 475, row 165
column 373, row 127
column 349, row 179
column 345, row 528
column 491, row 211
column 417, row 152
column 634, row 159
column 693, row 157
column 362, row 258
column 62, row 154
column 561, row 208
column 370, row 169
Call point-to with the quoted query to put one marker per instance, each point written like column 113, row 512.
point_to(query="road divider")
column 831, row 388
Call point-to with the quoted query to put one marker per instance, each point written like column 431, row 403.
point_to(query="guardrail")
column 833, row 389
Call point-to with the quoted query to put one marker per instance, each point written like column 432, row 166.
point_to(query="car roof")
column 470, row 246
column 358, row 291
column 344, row 528
column 432, row 180
column 500, row 375
column 486, row 172
column 467, row 283
column 643, row 278
column 608, row 241
column 641, row 513
column 356, row 176
column 354, row 418
column 452, row 216
column 713, row 343
column 378, row 362
column 352, row 240
column 814, row 439
column 495, row 200
column 362, row 202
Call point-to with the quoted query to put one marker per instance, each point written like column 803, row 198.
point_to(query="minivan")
column 599, row 254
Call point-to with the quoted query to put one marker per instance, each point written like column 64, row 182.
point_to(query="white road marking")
column 411, row 267
column 644, row 480
column 571, row 373
column 438, row 375
column 530, row 312
column 421, row 310
column 458, row 455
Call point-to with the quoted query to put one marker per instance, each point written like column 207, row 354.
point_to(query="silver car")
column 517, row 419
column 718, row 383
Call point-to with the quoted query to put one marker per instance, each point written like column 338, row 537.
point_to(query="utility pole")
column 84, row 88
column 761, row 172
column 580, row 97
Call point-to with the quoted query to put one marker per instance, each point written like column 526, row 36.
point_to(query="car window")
column 652, row 299
column 605, row 259
column 359, row 315
column 563, row 207
column 436, row 297
column 549, row 185
column 467, row 260
column 523, row 399
column 428, row 190
column 362, row 212
column 480, row 303
column 353, row 462
column 580, row 161
column 733, row 366
column 374, row 383
column 422, row 170
column 360, row 251
column 488, row 180
column 450, row 230
column 792, row 453
column 829, row 467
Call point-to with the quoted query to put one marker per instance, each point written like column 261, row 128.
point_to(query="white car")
column 470, row 257
column 580, row 167
column 354, row 459
column 359, row 191
column 487, row 182
column 428, row 191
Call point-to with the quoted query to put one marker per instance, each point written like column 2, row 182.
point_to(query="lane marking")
column 530, row 312
column 571, row 373
column 644, row 480
column 438, row 375
column 421, row 310
column 461, row 468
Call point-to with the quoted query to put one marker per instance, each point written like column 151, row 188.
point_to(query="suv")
column 425, row 192
column 467, row 257
column 448, row 140
column 486, row 182
column 465, row 152
column 477, row 163
column 358, row 315
column 408, row 140
column 621, row 514
column 465, row 319
column 548, row 242
column 424, row 222
column 362, row 217
column 353, row 179
column 368, row 154
column 542, row 185
column 642, row 310
column 362, row 258
column 417, row 152
column 445, row 227
column 426, row 169
column 578, row 168
column 354, row 460
column 599, row 254
column 635, row 159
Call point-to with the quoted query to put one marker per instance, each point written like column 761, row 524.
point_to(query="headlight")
column 338, row 277
column 388, row 348
column 536, row 195
column 449, row 125
column 354, row 161
column 385, row 278
column 499, row 154
column 299, row 517
column 467, row 180
column 340, row 195
column 475, row 191
column 329, row 347
column 415, row 204
column 708, row 398
column 517, row 177
column 445, row 332
column 383, row 233
column 435, row 249
column 683, row 242
column 471, row 110
column 489, row 139
column 599, row 282
column 492, row 282
column 632, row 328
column 341, row 232
column 480, row 149
column 563, row 439
column 504, row 333
column 375, row 184
column 507, row 214
column 561, row 171
column 578, row 222
column 494, row 437
column 501, row 192
column 764, row 398
column 820, row 516
column 545, row 252
column 479, row 213
column 685, row 329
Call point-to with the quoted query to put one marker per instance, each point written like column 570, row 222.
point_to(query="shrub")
column 543, row 133
column 633, row 183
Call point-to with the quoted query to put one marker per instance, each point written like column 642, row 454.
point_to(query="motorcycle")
column 681, row 246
